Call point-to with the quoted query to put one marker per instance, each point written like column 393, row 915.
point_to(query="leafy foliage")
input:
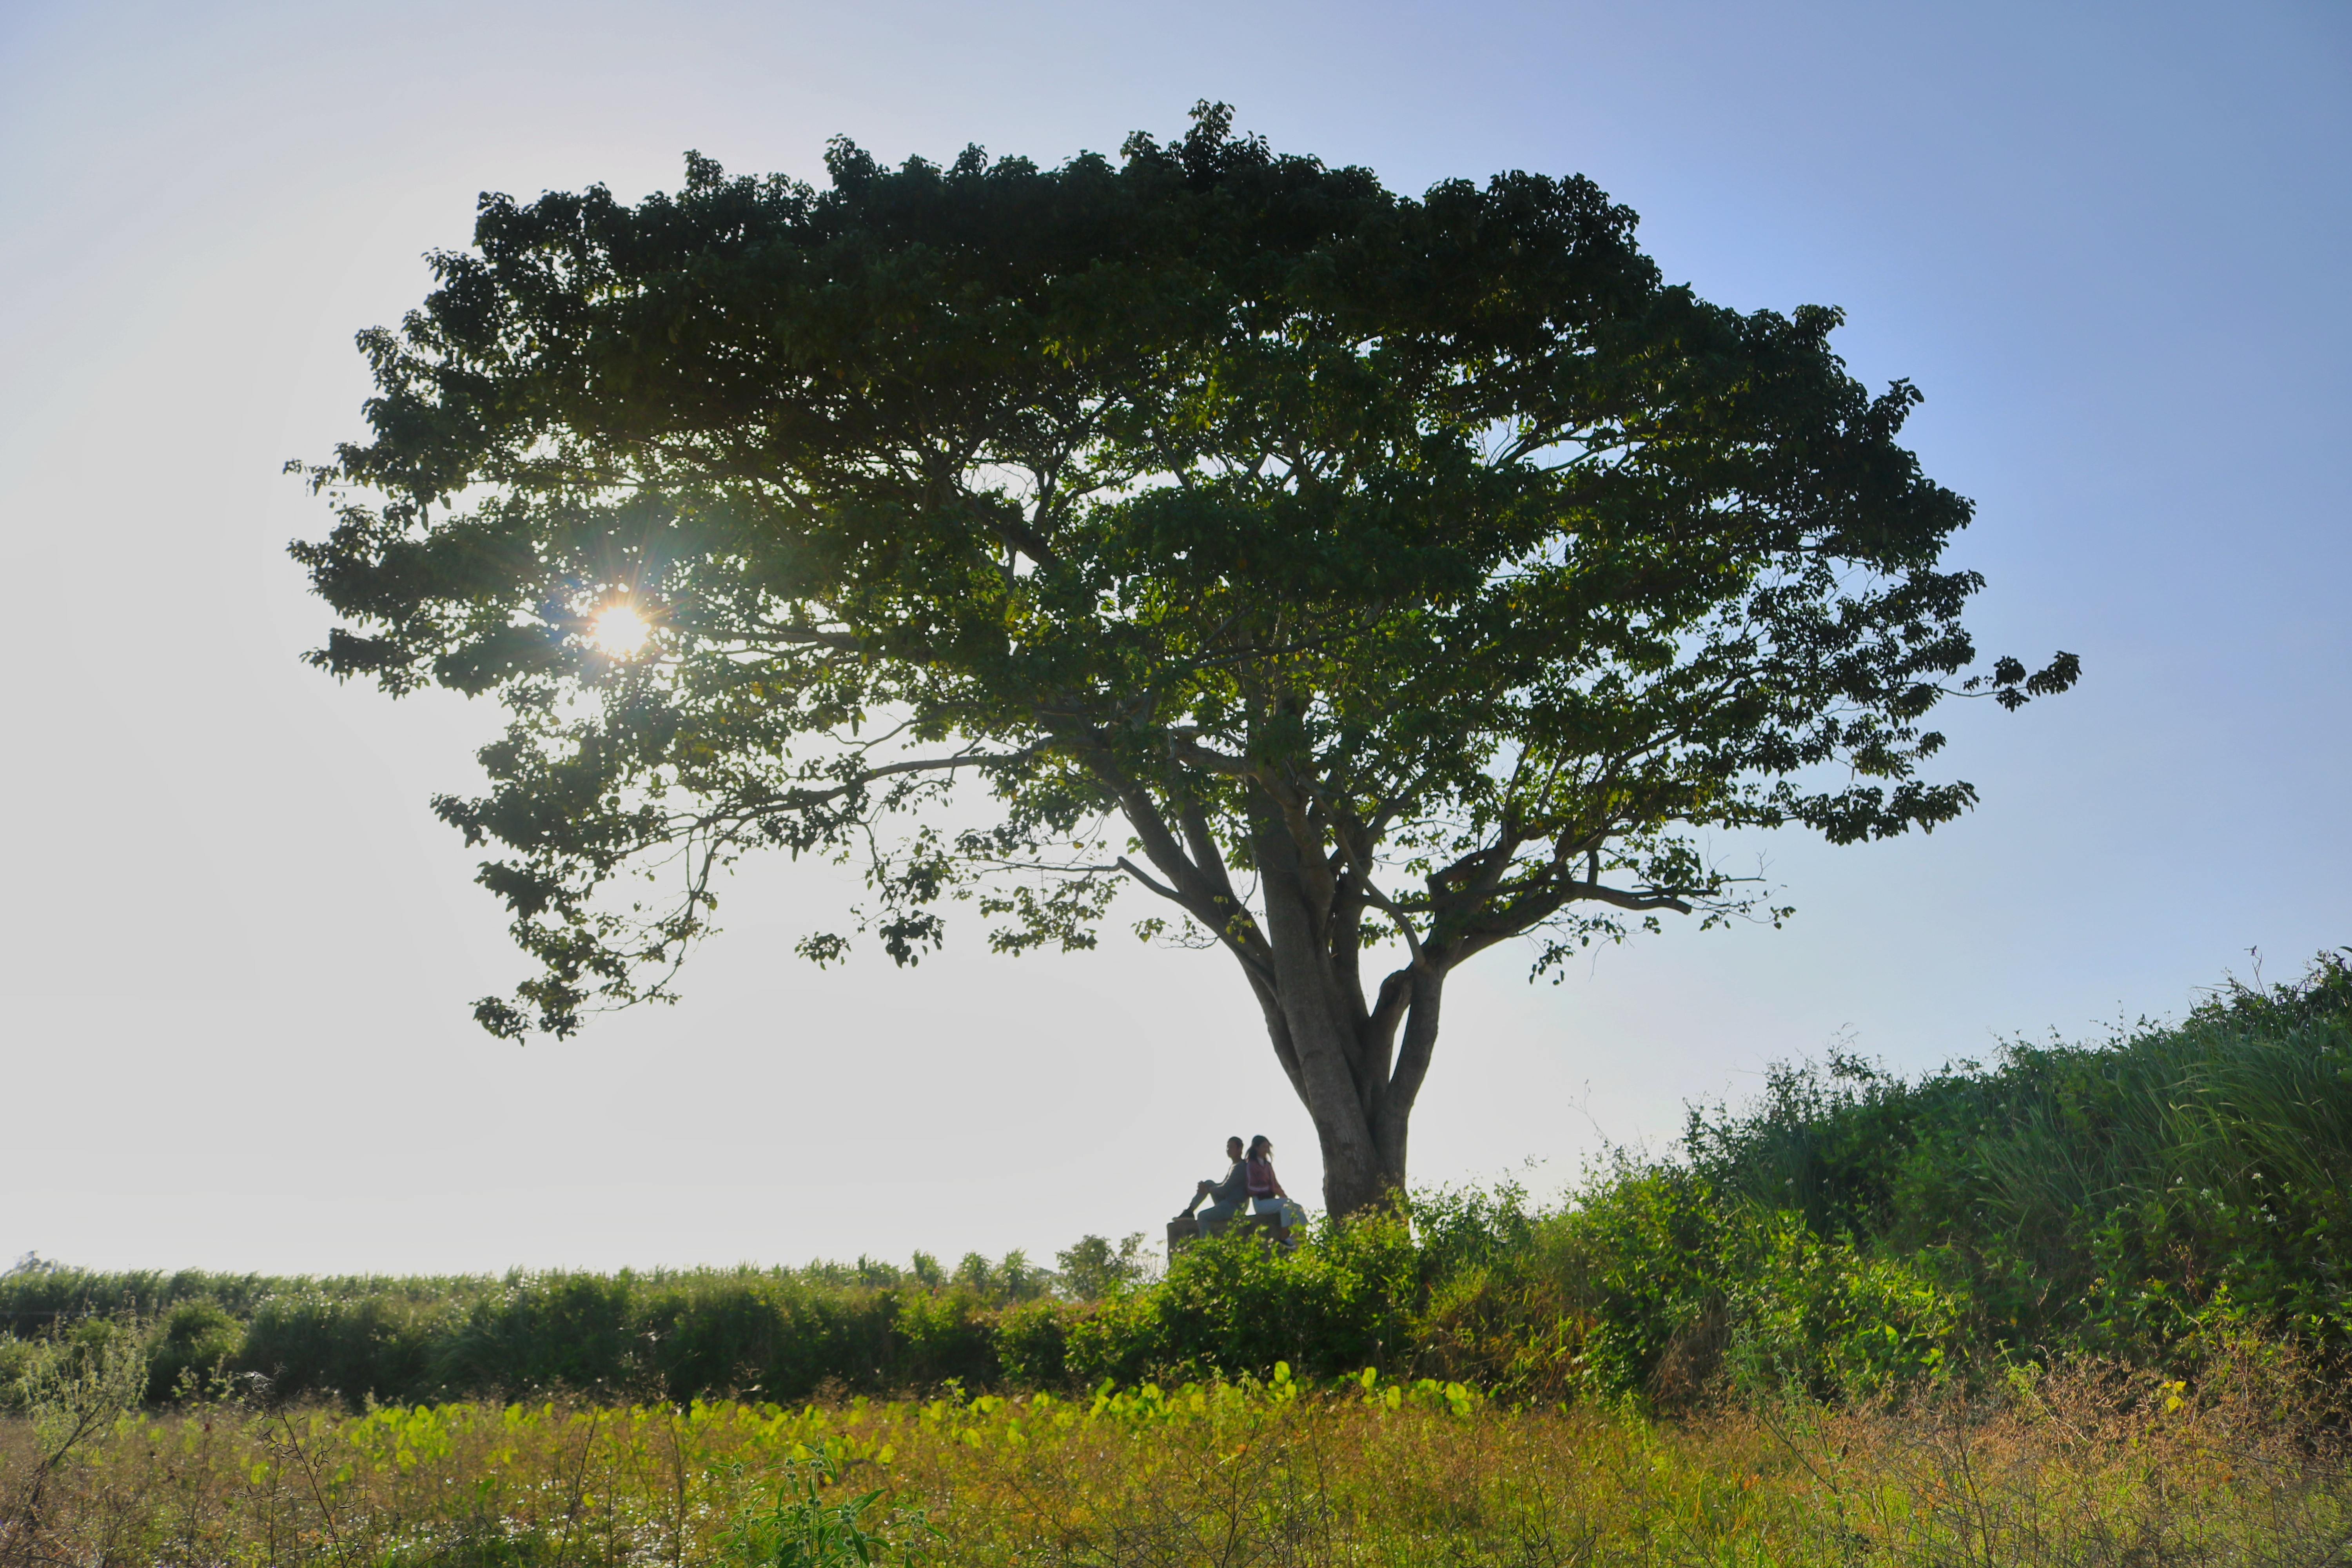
column 1341, row 567
column 2122, row 1195
column 809, row 1522
column 2151, row 1199
column 1095, row 1269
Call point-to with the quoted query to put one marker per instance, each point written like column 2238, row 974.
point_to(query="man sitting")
column 1225, row 1197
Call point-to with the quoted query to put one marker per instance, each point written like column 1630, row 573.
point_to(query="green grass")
column 2074, row 1467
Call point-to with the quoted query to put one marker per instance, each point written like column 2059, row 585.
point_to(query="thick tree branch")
column 1216, row 908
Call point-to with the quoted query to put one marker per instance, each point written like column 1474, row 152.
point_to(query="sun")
column 620, row 630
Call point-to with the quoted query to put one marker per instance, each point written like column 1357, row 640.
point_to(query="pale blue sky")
column 2110, row 242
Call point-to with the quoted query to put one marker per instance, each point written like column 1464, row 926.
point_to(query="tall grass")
column 2083, row 1466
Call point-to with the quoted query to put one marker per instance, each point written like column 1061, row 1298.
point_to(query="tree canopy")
column 1344, row 568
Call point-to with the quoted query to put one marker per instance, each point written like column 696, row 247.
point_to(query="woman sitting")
column 1266, row 1195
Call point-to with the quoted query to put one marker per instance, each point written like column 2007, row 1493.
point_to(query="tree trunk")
column 1357, row 1067
column 1362, row 1113
column 1341, row 1054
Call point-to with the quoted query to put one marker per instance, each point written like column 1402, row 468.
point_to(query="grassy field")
column 2071, row 1467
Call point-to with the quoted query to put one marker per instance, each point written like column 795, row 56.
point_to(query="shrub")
column 195, row 1344
column 315, row 1343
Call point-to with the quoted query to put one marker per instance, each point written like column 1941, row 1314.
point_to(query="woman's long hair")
column 1259, row 1145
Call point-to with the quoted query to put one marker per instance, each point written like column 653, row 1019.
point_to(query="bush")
column 1231, row 1305
column 2126, row 1198
column 312, row 1342
column 2155, row 1199
column 195, row 1344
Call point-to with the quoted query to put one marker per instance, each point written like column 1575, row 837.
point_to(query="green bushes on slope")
column 2142, row 1200
column 2118, row 1197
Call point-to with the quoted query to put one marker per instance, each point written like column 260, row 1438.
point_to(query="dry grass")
column 2080, row 1468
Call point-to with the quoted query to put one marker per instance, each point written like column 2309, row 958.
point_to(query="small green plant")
column 71, row 1388
column 806, row 1522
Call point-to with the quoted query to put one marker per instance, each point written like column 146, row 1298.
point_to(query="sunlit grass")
column 2079, row 1468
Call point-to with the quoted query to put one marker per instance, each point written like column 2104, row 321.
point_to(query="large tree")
column 1350, row 571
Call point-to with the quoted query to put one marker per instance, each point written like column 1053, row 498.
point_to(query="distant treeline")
column 779, row 1333
column 2148, row 1199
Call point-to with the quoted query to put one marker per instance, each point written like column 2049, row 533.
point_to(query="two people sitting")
column 1250, row 1180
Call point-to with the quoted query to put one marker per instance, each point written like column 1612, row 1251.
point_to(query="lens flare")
column 621, row 631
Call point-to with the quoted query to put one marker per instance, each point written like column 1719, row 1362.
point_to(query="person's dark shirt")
column 1235, row 1188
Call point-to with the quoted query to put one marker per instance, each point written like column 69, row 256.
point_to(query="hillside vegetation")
column 2153, row 1200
